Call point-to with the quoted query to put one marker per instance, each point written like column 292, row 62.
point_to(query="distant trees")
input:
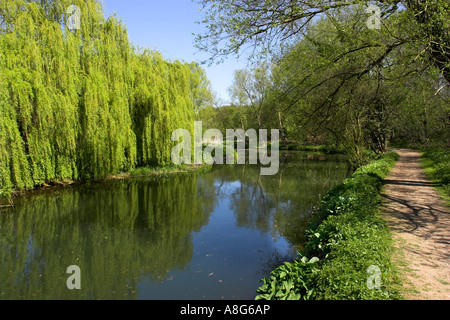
column 335, row 78
column 250, row 89
column 82, row 102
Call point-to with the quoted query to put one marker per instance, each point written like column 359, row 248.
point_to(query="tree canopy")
column 78, row 100
column 332, row 77
column 234, row 26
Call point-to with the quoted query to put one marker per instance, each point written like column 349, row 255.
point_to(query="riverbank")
column 135, row 173
column 349, row 247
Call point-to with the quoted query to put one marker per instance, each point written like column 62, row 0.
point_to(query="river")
column 194, row 236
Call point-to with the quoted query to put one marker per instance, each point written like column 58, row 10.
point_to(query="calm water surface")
column 185, row 236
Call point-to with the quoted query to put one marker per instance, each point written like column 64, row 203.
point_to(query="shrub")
column 290, row 281
column 436, row 162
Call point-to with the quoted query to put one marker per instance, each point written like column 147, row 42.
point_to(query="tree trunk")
column 282, row 138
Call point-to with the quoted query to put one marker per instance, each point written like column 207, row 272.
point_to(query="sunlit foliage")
column 84, row 102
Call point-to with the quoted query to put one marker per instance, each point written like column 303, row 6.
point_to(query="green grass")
column 436, row 163
column 346, row 238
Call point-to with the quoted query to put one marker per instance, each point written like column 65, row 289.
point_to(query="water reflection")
column 187, row 236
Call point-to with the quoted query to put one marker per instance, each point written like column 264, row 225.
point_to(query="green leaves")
column 436, row 162
column 83, row 104
column 290, row 281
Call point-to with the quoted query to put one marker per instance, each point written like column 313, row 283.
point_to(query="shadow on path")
column 420, row 223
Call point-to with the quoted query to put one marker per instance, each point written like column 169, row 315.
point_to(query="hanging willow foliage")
column 83, row 103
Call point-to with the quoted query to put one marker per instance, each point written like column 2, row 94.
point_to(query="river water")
column 193, row 236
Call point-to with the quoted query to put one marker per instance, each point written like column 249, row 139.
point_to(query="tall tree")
column 77, row 100
column 250, row 89
column 351, row 97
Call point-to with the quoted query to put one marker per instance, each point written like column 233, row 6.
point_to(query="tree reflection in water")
column 123, row 233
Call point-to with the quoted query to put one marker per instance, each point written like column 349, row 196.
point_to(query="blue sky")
column 167, row 25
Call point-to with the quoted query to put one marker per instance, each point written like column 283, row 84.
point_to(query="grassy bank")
column 8, row 193
column 347, row 255
column 6, row 199
column 169, row 169
column 436, row 162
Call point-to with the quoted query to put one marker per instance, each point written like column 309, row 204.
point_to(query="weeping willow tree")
column 78, row 100
column 161, row 104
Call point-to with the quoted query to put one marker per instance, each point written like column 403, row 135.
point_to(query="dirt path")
column 420, row 223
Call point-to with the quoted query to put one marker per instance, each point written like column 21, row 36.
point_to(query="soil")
column 420, row 224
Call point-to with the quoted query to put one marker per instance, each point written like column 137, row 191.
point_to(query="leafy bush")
column 290, row 281
column 348, row 237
